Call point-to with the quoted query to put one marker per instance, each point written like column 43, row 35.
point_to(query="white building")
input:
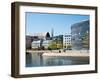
column 40, row 40
column 42, row 35
column 66, row 40
column 35, row 44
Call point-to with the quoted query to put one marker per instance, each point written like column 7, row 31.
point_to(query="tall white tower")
column 52, row 32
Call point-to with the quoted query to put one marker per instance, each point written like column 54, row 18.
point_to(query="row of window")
column 67, row 35
column 67, row 38
column 67, row 43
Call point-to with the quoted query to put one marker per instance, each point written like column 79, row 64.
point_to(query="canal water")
column 38, row 60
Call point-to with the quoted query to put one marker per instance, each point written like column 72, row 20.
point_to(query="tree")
column 55, row 44
column 69, row 47
column 52, row 45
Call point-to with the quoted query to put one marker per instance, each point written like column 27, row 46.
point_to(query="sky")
column 45, row 22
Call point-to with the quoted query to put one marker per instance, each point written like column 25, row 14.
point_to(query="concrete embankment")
column 67, row 54
column 72, row 53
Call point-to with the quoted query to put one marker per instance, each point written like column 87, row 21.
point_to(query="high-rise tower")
column 52, row 32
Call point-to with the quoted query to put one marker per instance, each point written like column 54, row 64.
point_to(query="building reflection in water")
column 37, row 60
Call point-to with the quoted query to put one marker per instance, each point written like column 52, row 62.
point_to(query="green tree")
column 69, row 47
column 52, row 45
column 55, row 44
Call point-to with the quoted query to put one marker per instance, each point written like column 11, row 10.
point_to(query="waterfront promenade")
column 69, row 53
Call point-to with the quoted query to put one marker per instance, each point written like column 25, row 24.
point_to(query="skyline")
column 45, row 22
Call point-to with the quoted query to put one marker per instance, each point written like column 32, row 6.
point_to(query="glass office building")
column 78, row 31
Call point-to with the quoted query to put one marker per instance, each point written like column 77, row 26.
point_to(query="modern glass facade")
column 78, row 31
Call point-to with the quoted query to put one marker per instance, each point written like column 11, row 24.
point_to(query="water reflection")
column 37, row 60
